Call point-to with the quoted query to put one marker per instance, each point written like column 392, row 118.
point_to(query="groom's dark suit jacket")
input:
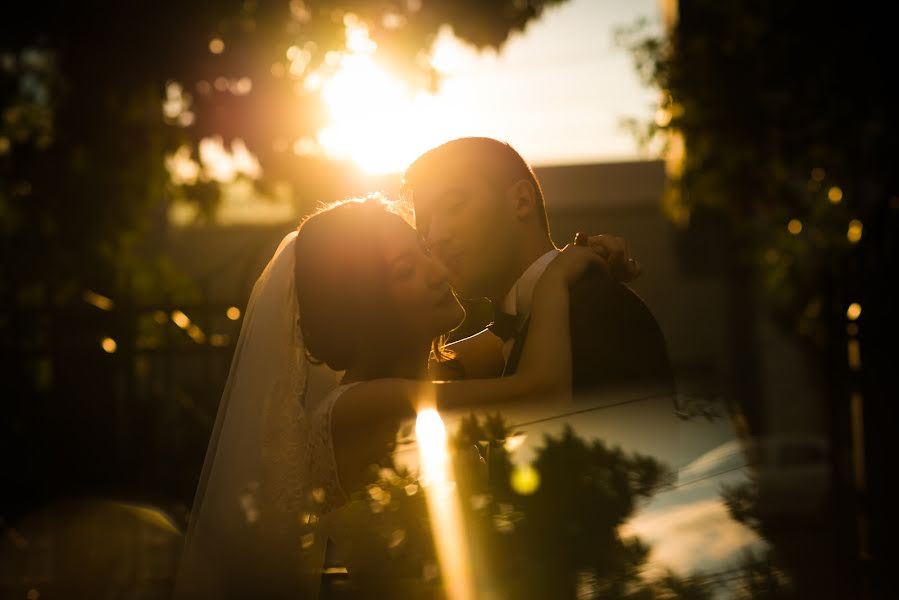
column 615, row 341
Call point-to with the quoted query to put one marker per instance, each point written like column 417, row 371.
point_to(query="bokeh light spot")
column 525, row 480
column 196, row 334
column 854, row 311
column 216, row 45
column 854, row 234
column 233, row 313
column 794, row 226
column 109, row 345
column 98, row 300
column 180, row 319
column 218, row 340
column 834, row 194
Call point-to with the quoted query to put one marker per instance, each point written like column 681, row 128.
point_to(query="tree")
column 778, row 119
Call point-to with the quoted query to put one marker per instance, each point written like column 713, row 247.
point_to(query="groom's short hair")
column 495, row 161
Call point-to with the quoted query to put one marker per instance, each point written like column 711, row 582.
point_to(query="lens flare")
column 443, row 506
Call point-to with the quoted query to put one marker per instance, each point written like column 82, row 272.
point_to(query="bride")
column 353, row 290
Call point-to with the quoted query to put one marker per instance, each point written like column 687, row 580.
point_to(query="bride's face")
column 418, row 285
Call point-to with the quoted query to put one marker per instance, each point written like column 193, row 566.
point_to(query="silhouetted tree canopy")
column 781, row 111
column 781, row 135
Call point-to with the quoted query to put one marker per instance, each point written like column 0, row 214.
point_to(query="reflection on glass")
column 443, row 506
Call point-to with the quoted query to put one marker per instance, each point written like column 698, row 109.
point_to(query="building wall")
column 623, row 199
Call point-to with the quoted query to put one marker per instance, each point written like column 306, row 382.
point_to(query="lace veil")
column 244, row 535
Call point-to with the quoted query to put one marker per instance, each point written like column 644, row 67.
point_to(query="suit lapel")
column 515, row 354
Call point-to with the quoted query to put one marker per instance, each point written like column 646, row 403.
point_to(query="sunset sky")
column 557, row 92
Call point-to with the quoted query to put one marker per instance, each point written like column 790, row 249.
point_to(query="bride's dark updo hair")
column 341, row 278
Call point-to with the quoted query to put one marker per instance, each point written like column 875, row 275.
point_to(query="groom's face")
column 468, row 226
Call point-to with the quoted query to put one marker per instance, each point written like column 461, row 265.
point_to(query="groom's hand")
column 621, row 265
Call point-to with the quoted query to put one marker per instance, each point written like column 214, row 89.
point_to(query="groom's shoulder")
column 596, row 291
column 615, row 336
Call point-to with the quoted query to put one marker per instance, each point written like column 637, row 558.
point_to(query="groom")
column 480, row 207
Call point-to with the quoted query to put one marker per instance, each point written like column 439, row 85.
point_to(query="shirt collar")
column 518, row 300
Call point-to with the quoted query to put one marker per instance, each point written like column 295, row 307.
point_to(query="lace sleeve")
column 322, row 481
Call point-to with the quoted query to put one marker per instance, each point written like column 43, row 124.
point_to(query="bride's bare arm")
column 543, row 374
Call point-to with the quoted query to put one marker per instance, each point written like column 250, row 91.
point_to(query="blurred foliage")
column 771, row 112
column 778, row 124
column 558, row 540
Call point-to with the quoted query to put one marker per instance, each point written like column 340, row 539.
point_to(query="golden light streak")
column 98, row 300
column 443, row 506
column 854, row 354
column 858, row 439
column 180, row 319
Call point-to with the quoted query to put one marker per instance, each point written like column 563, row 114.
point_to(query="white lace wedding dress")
column 269, row 472
column 322, row 479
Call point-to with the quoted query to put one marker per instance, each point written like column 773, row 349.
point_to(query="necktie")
column 504, row 326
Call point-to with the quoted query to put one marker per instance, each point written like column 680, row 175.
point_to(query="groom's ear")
column 522, row 197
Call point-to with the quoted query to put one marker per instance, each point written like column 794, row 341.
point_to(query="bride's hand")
column 570, row 264
column 619, row 263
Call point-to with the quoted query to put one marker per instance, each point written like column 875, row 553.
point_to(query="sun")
column 376, row 120
column 371, row 116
